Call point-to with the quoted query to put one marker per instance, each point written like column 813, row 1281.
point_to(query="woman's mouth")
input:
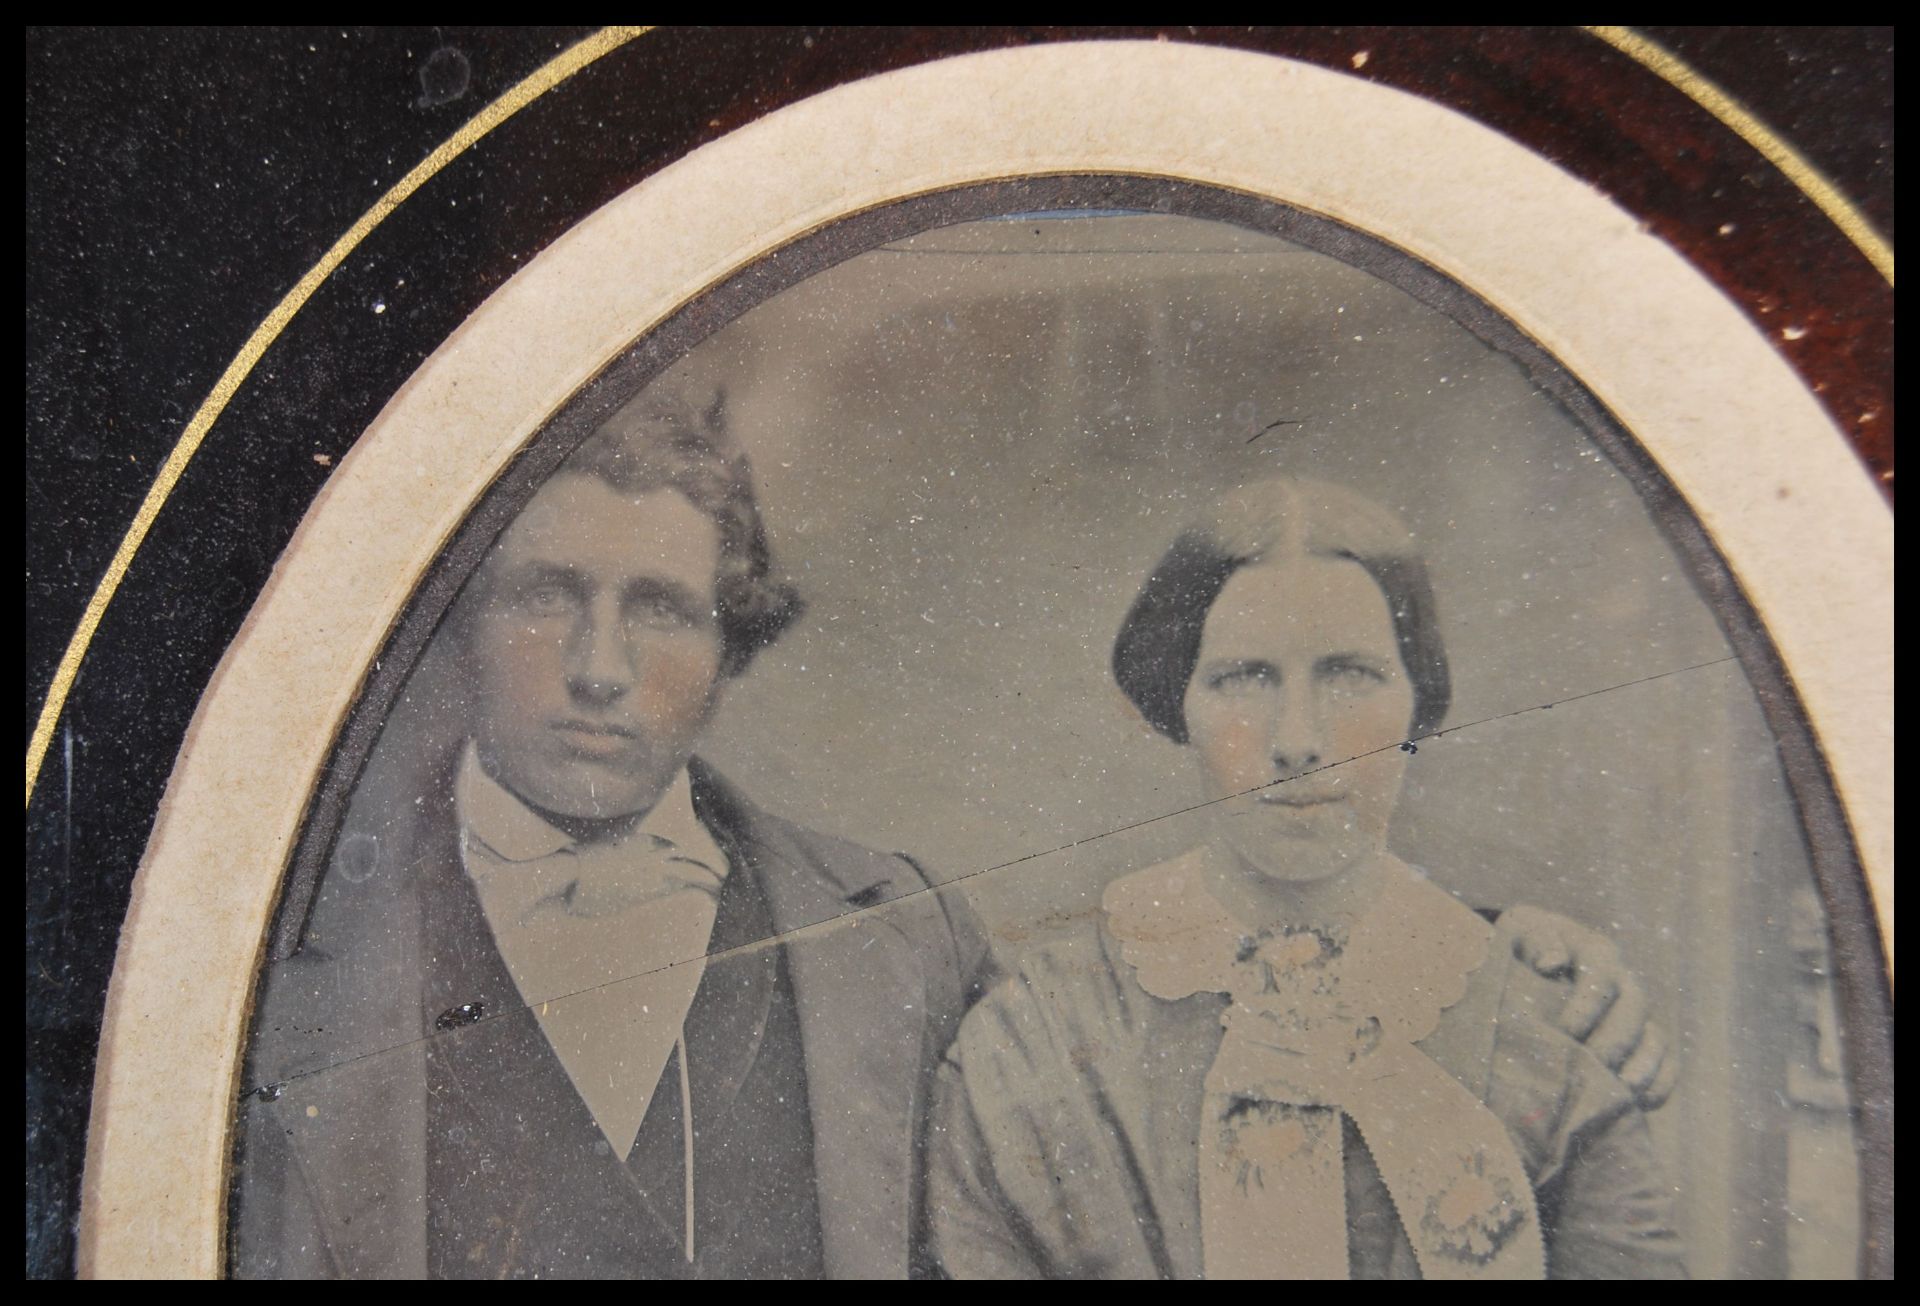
column 1285, row 796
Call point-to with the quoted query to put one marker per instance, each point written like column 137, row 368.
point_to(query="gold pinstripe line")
column 533, row 86
column 1812, row 183
column 1844, row 214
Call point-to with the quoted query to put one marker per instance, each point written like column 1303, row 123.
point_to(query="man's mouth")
column 607, row 728
column 595, row 738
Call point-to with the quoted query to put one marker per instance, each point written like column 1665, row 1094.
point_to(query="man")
column 605, row 1017
column 639, row 1046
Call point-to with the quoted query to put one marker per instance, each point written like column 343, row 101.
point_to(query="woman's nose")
column 1296, row 743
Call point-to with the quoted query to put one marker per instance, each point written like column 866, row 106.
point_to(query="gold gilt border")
column 1710, row 97
column 1844, row 214
column 529, row 89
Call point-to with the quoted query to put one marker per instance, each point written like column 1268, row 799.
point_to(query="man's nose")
column 1298, row 742
column 601, row 668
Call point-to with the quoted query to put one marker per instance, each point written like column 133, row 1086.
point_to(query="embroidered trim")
column 1403, row 964
column 1474, row 1216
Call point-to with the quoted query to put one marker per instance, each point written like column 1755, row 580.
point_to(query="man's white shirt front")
column 607, row 943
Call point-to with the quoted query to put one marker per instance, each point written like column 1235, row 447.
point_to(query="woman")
column 1287, row 1053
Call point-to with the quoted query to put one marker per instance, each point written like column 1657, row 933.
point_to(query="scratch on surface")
column 1282, row 421
column 480, row 1014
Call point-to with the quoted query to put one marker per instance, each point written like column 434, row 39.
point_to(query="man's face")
column 596, row 652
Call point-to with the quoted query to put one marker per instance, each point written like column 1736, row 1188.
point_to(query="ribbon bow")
column 599, row 880
column 605, row 942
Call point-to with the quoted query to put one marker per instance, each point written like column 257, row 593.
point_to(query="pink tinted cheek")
column 1233, row 746
column 677, row 674
column 1370, row 722
column 1375, row 784
column 522, row 665
column 1368, row 736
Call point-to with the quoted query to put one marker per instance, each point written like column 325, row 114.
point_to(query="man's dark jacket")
column 333, row 1171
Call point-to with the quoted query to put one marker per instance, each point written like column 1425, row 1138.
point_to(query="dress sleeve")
column 1612, row 1214
column 1031, row 1170
column 1606, row 1207
column 976, row 1234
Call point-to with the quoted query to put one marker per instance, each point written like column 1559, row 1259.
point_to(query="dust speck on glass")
column 1079, row 742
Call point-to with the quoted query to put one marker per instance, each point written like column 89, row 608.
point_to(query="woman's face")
column 1296, row 708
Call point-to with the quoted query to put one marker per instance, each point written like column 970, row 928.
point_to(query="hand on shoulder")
column 1605, row 1008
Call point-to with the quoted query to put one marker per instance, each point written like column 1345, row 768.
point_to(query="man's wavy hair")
column 1159, row 641
column 664, row 440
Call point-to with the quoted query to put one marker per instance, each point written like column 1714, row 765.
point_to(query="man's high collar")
column 513, row 832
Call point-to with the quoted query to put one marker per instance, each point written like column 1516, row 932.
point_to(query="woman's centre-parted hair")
column 1268, row 521
column 664, row 440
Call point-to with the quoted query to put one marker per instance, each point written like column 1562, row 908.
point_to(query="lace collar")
column 1404, row 962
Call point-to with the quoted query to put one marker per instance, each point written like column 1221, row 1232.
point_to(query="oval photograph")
column 1058, row 740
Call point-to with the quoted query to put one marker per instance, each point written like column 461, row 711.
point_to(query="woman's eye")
column 1353, row 674
column 1240, row 680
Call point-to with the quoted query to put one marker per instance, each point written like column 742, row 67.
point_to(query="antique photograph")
column 1069, row 741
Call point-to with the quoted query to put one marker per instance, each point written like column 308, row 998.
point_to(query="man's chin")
column 587, row 792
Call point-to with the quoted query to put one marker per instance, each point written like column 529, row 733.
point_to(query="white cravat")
column 606, row 942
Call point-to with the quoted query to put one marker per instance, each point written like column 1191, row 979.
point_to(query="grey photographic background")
column 973, row 444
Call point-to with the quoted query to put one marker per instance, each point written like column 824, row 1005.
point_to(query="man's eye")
column 548, row 600
column 657, row 614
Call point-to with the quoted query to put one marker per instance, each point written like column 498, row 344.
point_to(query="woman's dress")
column 1390, row 1103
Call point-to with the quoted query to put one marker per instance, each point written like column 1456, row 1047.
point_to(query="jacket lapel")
column 355, row 1195
column 859, row 989
column 860, row 994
